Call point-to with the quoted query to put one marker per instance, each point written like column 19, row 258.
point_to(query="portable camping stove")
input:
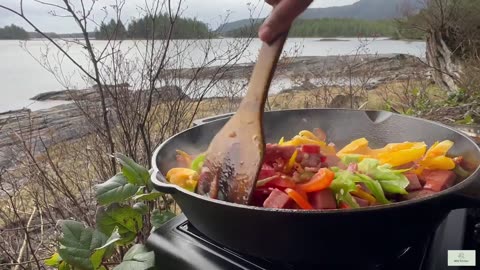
column 178, row 245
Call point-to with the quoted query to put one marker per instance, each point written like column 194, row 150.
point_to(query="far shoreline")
column 239, row 71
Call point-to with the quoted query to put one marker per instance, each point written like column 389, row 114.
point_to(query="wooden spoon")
column 235, row 155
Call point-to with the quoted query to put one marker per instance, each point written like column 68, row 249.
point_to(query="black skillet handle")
column 160, row 183
column 469, row 195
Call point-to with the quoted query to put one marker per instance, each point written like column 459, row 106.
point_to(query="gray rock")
column 54, row 125
column 93, row 95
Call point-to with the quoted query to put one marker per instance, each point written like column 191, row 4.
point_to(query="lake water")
column 22, row 77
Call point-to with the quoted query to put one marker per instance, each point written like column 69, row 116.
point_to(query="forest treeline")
column 13, row 32
column 158, row 27
column 335, row 27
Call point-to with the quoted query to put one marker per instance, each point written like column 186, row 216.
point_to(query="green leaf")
column 128, row 221
column 116, row 189
column 159, row 218
column 78, row 243
column 138, row 258
column 55, row 260
column 64, row 266
column 134, row 173
column 467, row 120
column 106, row 250
column 152, row 196
column 141, row 207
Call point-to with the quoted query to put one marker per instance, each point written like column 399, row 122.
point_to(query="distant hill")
column 228, row 27
column 364, row 9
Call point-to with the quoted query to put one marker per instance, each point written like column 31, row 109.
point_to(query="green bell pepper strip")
column 197, row 163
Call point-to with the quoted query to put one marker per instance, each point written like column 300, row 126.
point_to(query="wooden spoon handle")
column 254, row 100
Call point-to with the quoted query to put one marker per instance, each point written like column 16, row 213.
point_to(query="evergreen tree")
column 13, row 32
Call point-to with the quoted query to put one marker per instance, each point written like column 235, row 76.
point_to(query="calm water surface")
column 22, row 77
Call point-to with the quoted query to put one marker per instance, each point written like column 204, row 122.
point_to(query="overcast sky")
column 210, row 11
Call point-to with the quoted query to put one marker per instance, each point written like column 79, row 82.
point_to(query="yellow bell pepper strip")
column 438, row 163
column 291, row 162
column 298, row 141
column 393, row 147
column 183, row 177
column 435, row 158
column 320, row 181
column 306, row 137
column 263, row 182
column 359, row 146
column 282, row 140
column 439, row 149
column 364, row 195
column 402, row 154
column 186, row 157
column 309, row 135
column 304, row 204
column 298, row 168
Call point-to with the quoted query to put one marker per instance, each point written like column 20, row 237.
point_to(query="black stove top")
column 178, row 245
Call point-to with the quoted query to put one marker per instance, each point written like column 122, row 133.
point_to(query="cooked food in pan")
column 307, row 172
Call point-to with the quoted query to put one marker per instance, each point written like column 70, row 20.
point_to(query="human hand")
column 283, row 14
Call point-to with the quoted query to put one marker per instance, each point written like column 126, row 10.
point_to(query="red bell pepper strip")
column 311, row 149
column 344, row 206
column 301, row 192
column 320, row 181
column 304, row 204
column 281, row 182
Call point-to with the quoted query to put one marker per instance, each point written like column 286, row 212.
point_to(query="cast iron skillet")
column 357, row 236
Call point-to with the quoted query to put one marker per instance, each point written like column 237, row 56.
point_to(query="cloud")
column 209, row 11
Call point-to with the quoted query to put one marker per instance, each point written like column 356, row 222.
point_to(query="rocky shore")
column 58, row 124
column 66, row 122
column 383, row 67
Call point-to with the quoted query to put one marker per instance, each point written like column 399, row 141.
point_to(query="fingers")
column 281, row 18
column 272, row 2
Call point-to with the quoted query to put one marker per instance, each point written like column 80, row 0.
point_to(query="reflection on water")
column 22, row 77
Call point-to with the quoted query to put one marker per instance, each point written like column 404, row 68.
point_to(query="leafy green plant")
column 467, row 120
column 128, row 210
column 458, row 97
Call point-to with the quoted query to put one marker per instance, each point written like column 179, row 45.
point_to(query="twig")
column 24, row 245
column 22, row 263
